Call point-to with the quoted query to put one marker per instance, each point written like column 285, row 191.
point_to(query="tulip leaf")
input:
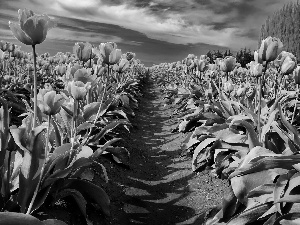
column 199, row 148
column 252, row 135
column 284, row 162
column 80, row 200
column 13, row 218
column 91, row 192
column 53, row 222
column 288, row 219
column 250, row 215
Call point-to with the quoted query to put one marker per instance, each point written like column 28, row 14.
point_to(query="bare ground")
column 159, row 187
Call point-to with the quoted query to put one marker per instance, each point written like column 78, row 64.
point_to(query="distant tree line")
column 285, row 24
column 243, row 56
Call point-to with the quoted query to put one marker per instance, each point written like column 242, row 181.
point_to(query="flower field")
column 64, row 120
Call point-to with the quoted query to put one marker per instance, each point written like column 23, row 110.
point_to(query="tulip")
column 296, row 74
column 49, row 102
column 11, row 47
column 288, row 65
column 257, row 59
column 269, row 49
column 83, row 51
column 228, row 87
column 3, row 46
column 61, row 69
column 115, row 56
column 84, row 76
column 78, row 89
column 32, row 28
column 256, row 69
column 202, row 65
column 286, row 61
column 122, row 66
column 228, row 64
column 188, row 61
column 241, row 91
column 105, row 51
column 130, row 55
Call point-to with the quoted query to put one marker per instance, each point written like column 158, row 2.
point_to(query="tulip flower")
column 122, row 66
column 228, row 64
column 286, row 61
column 78, row 89
column 49, row 102
column 115, row 56
column 61, row 69
column 296, row 74
column 202, row 65
column 288, row 65
column 257, row 59
column 84, row 76
column 228, row 87
column 106, row 50
column 32, row 28
column 3, row 46
column 130, row 55
column 11, row 47
column 269, row 49
column 241, row 91
column 256, row 69
column 83, row 51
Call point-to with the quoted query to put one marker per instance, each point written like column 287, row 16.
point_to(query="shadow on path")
column 160, row 187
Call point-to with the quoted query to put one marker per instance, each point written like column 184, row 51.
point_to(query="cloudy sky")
column 156, row 30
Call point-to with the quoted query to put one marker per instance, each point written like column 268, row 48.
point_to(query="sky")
column 156, row 30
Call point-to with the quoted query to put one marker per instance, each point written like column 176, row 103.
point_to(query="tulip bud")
column 3, row 46
column 202, row 65
column 256, row 69
column 61, row 69
column 228, row 87
column 241, row 91
column 84, row 76
column 83, row 51
column 130, row 55
column 257, row 59
column 78, row 89
column 296, row 74
column 115, row 56
column 11, row 47
column 227, row 64
column 106, row 49
column 288, row 65
column 269, row 49
column 286, row 61
column 49, row 102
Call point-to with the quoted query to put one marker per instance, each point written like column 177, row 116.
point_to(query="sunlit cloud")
column 232, row 24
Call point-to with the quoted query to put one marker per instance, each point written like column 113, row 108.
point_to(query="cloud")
column 155, row 26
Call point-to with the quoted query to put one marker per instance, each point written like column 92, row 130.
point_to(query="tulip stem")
column 42, row 169
column 34, row 88
column 295, row 107
column 259, row 108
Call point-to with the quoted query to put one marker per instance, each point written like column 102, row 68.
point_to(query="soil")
column 159, row 187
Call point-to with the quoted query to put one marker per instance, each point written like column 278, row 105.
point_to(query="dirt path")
column 159, row 187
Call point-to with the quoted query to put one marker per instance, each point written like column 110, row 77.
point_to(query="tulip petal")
column 20, row 34
column 272, row 51
column 36, row 28
column 24, row 15
column 49, row 98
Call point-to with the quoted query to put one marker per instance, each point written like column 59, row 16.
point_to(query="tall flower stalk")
column 32, row 30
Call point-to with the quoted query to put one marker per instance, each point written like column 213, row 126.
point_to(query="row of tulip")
column 242, row 124
column 73, row 104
